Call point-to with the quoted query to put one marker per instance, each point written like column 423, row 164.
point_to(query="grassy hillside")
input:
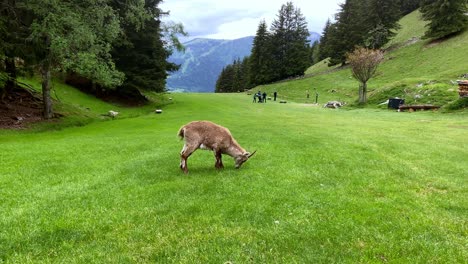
column 412, row 27
column 420, row 71
column 325, row 186
column 78, row 108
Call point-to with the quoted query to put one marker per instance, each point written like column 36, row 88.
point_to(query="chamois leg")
column 219, row 161
column 187, row 150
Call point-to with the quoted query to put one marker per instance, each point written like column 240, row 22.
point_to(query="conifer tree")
column 234, row 77
column 260, row 57
column 368, row 23
column 237, row 78
column 73, row 36
column 222, row 82
column 245, row 74
column 349, row 31
column 289, row 43
column 324, row 51
column 446, row 17
column 408, row 6
column 14, row 29
column 381, row 22
column 314, row 53
column 141, row 55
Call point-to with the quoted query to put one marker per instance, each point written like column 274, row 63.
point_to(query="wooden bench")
column 413, row 108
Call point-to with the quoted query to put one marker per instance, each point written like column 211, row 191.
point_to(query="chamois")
column 210, row 136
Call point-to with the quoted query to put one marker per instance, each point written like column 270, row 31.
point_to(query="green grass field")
column 350, row 185
column 326, row 186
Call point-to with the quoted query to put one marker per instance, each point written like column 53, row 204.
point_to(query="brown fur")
column 210, row 136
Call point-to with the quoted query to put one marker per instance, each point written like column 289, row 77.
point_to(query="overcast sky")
column 228, row 19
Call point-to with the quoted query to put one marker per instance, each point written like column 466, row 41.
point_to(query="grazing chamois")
column 210, row 136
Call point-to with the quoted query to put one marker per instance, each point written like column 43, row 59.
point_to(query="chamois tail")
column 181, row 133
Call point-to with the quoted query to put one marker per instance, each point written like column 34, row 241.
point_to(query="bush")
column 425, row 92
column 457, row 104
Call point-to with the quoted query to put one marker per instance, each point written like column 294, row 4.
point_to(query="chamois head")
column 243, row 158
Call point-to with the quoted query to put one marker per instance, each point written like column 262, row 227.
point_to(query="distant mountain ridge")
column 204, row 59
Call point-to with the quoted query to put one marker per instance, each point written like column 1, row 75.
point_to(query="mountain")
column 204, row 59
column 202, row 62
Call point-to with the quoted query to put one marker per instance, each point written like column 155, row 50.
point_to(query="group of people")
column 262, row 97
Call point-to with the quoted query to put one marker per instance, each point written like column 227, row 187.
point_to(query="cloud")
column 240, row 18
column 211, row 22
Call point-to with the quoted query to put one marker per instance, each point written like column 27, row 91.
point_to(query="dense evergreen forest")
column 104, row 47
column 283, row 51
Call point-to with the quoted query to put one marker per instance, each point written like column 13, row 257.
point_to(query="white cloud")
column 240, row 18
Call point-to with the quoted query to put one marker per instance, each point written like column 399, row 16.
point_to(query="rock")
column 333, row 104
column 112, row 113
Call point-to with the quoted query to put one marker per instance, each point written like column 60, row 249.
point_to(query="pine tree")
column 14, row 29
column 446, row 17
column 221, row 82
column 381, row 22
column 236, row 80
column 260, row 58
column 245, row 74
column 73, row 36
column 314, row 53
column 324, row 50
column 289, row 43
column 234, row 77
column 349, row 31
column 141, row 56
column 368, row 23
column 408, row 6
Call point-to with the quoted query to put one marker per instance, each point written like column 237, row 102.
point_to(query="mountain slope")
column 420, row 71
column 203, row 60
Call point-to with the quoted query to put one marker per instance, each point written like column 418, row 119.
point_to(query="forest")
column 283, row 52
column 107, row 48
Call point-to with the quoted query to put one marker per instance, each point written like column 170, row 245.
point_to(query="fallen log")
column 417, row 107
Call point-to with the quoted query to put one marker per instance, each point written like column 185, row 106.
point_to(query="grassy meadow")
column 349, row 185
column 326, row 186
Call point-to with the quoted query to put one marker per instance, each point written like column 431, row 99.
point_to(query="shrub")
column 457, row 104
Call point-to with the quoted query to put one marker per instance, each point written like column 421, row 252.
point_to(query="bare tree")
column 364, row 63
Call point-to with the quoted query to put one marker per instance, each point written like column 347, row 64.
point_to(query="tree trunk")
column 363, row 93
column 10, row 69
column 10, row 84
column 45, row 72
column 46, row 98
